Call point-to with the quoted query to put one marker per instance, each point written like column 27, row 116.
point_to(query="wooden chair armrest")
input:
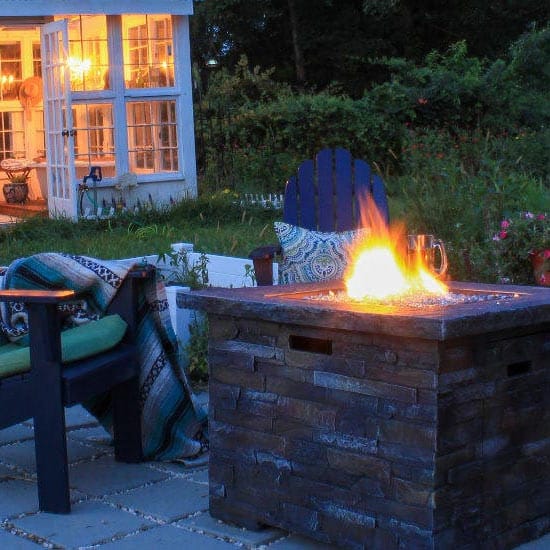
column 262, row 258
column 267, row 251
column 142, row 271
column 45, row 296
column 36, row 296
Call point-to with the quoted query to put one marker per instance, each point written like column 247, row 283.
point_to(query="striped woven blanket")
column 172, row 427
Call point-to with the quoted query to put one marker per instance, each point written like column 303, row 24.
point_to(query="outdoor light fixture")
column 78, row 68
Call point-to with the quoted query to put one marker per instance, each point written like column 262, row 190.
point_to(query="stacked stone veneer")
column 376, row 441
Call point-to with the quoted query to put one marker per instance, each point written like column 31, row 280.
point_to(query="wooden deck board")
column 29, row 208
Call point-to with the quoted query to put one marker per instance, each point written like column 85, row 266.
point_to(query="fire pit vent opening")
column 309, row 344
column 517, row 369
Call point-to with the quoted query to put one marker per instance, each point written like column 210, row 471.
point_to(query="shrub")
column 529, row 57
column 263, row 144
column 455, row 91
column 516, row 240
column 449, row 90
column 196, row 349
column 459, row 189
column 253, row 132
column 243, row 86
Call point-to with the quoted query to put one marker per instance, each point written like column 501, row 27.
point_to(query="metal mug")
column 422, row 248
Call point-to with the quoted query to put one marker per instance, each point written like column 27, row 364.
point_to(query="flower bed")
column 522, row 249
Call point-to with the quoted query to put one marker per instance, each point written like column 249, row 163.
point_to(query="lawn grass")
column 216, row 226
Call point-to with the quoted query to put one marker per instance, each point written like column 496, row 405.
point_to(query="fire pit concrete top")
column 521, row 306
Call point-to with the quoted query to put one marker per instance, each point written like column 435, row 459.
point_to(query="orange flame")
column 380, row 267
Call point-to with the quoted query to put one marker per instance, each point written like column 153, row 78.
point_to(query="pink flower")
column 546, row 254
column 541, row 216
column 504, row 224
column 502, row 234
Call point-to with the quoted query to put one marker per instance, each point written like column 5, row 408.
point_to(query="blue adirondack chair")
column 325, row 195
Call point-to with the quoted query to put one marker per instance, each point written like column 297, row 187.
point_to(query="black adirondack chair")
column 325, row 195
column 49, row 386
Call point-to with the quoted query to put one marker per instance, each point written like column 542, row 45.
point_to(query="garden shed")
column 100, row 87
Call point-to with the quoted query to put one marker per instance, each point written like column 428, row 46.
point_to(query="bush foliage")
column 262, row 129
column 461, row 141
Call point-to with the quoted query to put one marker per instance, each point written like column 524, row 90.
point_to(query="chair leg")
column 51, row 459
column 127, row 421
column 50, row 442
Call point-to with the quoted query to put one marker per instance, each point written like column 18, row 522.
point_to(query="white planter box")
column 224, row 271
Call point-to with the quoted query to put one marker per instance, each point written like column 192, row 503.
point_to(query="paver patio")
column 147, row 506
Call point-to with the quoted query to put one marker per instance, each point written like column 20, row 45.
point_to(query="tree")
column 298, row 54
column 321, row 43
column 309, row 42
column 379, row 7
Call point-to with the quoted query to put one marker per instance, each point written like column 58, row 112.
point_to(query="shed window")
column 88, row 53
column 10, row 70
column 94, row 140
column 148, row 51
column 152, row 136
column 12, row 135
column 36, row 59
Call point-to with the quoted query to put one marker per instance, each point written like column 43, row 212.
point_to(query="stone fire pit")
column 381, row 427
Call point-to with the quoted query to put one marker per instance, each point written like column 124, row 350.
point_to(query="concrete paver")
column 541, row 544
column 78, row 416
column 91, row 435
column 106, row 476
column 7, row 472
column 199, row 475
column 88, row 523
column 18, row 496
column 22, row 453
column 13, row 542
column 163, row 500
column 19, row 432
column 207, row 524
column 169, row 537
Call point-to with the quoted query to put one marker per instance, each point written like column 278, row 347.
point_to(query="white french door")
column 58, row 120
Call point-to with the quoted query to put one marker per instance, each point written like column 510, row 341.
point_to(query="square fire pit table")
column 381, row 427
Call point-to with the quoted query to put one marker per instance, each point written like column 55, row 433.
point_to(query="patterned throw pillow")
column 313, row 256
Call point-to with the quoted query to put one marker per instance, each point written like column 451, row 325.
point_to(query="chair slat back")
column 326, row 193
column 307, row 192
column 327, row 204
column 343, row 191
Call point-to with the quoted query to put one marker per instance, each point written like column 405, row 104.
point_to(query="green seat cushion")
column 76, row 343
